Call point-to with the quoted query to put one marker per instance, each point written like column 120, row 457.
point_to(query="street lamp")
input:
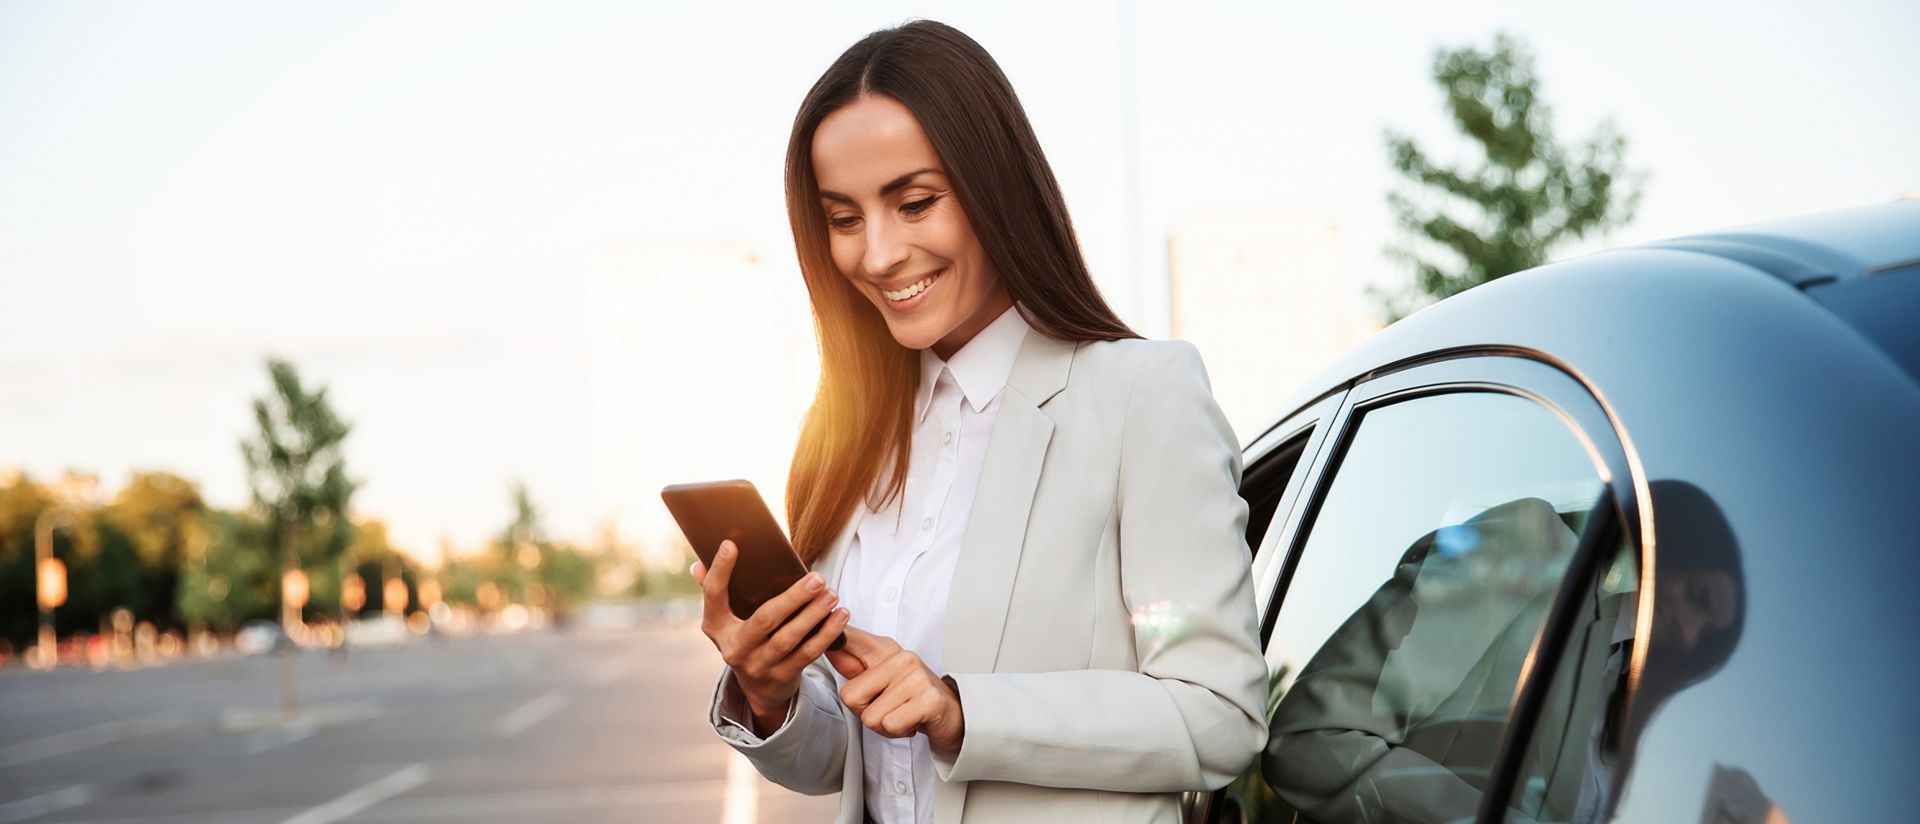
column 50, row 580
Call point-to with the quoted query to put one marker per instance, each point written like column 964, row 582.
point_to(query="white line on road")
column 413, row 775
column 526, row 715
column 562, row 805
column 742, row 802
column 45, row 804
column 76, row 740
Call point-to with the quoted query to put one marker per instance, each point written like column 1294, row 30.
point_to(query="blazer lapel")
column 990, row 551
column 829, row 564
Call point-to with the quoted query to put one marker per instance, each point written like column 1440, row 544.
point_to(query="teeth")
column 911, row 290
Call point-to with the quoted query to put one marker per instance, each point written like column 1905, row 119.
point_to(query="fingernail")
column 814, row 584
column 726, row 548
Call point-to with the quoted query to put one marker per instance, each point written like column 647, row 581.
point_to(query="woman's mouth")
column 912, row 295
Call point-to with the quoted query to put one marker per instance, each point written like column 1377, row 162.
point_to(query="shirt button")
column 946, row 438
column 890, row 593
column 900, row 787
column 926, row 524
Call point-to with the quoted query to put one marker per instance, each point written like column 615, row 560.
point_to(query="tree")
column 1511, row 209
column 232, row 579
column 155, row 520
column 299, row 479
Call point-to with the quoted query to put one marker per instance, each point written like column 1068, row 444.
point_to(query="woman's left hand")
column 895, row 693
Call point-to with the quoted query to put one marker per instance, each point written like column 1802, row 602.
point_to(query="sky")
column 427, row 206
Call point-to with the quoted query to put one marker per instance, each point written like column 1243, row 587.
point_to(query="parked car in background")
column 1626, row 537
column 261, row 636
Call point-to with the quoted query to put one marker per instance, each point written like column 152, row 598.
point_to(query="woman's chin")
column 913, row 335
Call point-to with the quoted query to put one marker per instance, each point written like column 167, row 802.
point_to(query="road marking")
column 45, row 804
column 742, row 801
column 76, row 740
column 480, row 805
column 526, row 715
column 413, row 775
column 296, row 730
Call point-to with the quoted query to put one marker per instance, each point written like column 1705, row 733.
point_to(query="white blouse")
column 900, row 563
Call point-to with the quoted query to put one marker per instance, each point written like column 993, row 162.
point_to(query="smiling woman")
column 901, row 238
column 1014, row 493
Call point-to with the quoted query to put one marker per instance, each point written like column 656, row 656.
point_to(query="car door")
column 1451, row 537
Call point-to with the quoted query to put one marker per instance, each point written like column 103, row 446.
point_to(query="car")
column 262, row 636
column 1629, row 536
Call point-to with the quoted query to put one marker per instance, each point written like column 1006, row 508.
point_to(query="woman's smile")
column 913, row 294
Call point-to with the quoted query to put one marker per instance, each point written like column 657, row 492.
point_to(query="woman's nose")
column 885, row 251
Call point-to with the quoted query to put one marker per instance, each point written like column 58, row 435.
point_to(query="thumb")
column 846, row 663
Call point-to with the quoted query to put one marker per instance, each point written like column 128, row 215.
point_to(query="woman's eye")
column 843, row 223
column 918, row 206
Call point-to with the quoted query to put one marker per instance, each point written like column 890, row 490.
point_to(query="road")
column 587, row 726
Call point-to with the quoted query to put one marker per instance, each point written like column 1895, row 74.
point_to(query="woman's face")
column 896, row 229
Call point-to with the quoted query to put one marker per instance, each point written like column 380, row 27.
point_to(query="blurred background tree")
column 233, row 578
column 530, row 568
column 1510, row 209
column 147, row 534
column 300, row 485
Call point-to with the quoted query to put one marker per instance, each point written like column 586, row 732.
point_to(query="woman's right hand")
column 765, row 656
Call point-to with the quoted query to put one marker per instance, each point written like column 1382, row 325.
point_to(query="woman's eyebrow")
column 891, row 186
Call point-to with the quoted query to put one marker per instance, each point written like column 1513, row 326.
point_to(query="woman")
column 1032, row 514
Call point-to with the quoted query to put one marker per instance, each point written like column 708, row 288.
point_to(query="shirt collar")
column 981, row 367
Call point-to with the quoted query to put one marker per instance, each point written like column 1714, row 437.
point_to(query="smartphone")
column 713, row 511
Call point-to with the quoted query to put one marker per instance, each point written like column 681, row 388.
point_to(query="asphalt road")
column 588, row 726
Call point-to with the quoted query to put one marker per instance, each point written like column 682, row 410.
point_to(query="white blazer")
column 1101, row 623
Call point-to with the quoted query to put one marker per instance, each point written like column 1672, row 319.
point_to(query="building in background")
column 702, row 366
column 1267, row 295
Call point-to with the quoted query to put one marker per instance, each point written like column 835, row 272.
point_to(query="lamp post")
column 49, row 580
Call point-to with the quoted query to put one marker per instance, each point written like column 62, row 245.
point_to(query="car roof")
column 1861, row 264
column 1845, row 244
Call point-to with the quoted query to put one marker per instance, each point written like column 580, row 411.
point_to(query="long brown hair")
column 863, row 409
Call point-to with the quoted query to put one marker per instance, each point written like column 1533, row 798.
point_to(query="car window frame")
column 1530, row 374
column 1313, row 421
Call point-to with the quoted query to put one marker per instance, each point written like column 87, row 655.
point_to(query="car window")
column 1423, row 579
column 1568, row 769
column 1265, row 483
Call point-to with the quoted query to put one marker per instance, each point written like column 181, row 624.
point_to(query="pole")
column 47, row 650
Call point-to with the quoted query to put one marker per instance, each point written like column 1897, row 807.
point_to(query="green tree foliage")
column 1508, row 210
column 299, row 479
column 154, row 522
column 234, row 579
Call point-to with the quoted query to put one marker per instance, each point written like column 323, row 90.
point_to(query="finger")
column 892, row 700
column 846, row 663
column 871, row 649
column 912, row 716
column 769, row 616
column 699, row 573
column 864, row 689
column 714, row 588
column 811, row 649
column 788, row 637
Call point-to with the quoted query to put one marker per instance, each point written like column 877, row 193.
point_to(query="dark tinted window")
column 1264, row 483
column 1423, row 581
column 1570, row 762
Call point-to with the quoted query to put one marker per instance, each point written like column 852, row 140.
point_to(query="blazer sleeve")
column 807, row 753
column 1192, row 716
